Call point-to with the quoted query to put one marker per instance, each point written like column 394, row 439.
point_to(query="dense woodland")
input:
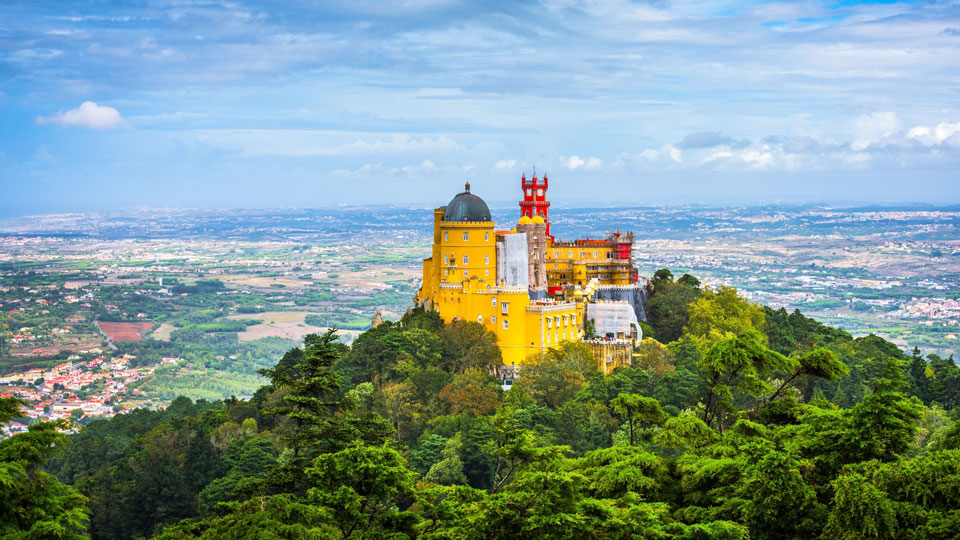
column 735, row 421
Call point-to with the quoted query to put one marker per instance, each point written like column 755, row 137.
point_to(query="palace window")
column 466, row 236
column 504, row 308
column 466, row 259
column 493, row 301
column 549, row 322
column 556, row 254
column 486, row 259
column 446, row 236
column 486, row 236
column 465, row 273
column 540, row 194
column 564, row 334
column 446, row 260
column 569, row 254
column 493, row 319
column 445, row 272
column 529, row 192
column 486, row 271
column 594, row 254
column 573, row 319
column 480, row 319
column 505, row 324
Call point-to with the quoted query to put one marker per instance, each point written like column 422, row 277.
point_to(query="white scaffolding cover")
column 611, row 317
column 513, row 268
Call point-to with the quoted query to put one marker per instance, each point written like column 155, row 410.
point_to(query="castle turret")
column 535, row 201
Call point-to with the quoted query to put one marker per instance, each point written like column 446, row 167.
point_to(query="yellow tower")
column 464, row 245
column 461, row 281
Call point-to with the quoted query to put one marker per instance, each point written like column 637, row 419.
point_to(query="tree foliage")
column 744, row 422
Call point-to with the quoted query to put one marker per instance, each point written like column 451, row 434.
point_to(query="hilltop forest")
column 735, row 421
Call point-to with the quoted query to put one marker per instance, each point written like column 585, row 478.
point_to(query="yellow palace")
column 530, row 290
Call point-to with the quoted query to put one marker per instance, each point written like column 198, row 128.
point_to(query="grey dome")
column 466, row 207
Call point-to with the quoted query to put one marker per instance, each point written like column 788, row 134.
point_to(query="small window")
column 549, row 322
column 446, row 259
column 480, row 319
column 540, row 193
column 594, row 254
column 505, row 324
column 564, row 334
column 466, row 236
column 569, row 254
column 493, row 301
column 466, row 259
column 486, row 271
column 529, row 192
column 548, row 338
column 446, row 236
column 556, row 254
column 486, row 259
column 486, row 236
column 504, row 308
column 555, row 266
column 493, row 319
column 445, row 272
column 465, row 272
column 573, row 319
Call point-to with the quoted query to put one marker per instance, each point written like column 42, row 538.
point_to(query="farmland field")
column 282, row 324
column 124, row 331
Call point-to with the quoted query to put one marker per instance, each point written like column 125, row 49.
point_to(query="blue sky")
column 188, row 103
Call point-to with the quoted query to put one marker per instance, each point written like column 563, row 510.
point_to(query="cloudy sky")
column 195, row 103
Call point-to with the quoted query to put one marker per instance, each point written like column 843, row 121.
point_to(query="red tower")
column 535, row 201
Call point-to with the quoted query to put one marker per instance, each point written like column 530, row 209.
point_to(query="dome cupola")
column 466, row 207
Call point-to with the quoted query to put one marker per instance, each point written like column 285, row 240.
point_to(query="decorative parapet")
column 630, row 287
column 503, row 289
column 613, row 341
column 551, row 308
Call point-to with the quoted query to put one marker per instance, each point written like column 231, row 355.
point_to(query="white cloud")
column 88, row 115
column 929, row 136
column 300, row 143
column 505, row 165
column 594, row 163
column 871, row 128
column 424, row 168
column 574, row 163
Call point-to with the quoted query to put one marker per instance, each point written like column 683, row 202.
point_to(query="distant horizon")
column 505, row 206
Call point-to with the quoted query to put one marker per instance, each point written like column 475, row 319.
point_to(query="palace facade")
column 533, row 291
